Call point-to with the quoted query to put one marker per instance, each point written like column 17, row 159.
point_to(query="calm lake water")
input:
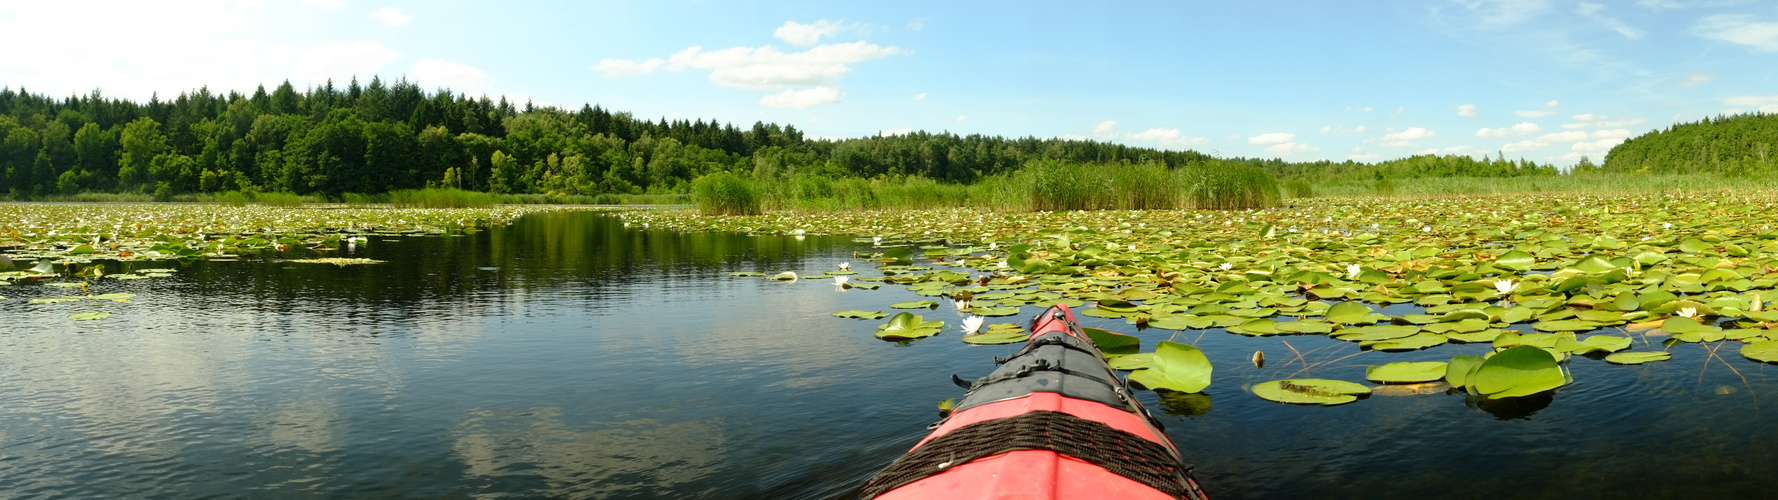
column 569, row 356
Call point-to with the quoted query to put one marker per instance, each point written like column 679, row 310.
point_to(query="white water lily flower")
column 1667, row 225
column 1003, row 265
column 840, row 281
column 1226, row 265
column 1505, row 286
column 962, row 305
column 1132, row 248
column 992, row 246
column 1352, row 271
column 845, row 266
column 1425, row 229
column 972, row 324
column 1689, row 312
column 876, row 239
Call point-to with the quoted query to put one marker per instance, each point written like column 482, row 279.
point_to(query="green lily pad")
column 994, row 311
column 1459, row 370
column 1566, row 325
column 1763, row 351
column 1352, row 313
column 1305, row 326
column 1112, row 343
column 785, row 276
column 1413, row 342
column 1518, row 371
column 1637, row 358
column 1516, row 260
column 1406, row 372
column 916, row 304
column 1175, row 367
column 861, row 314
column 1180, row 322
column 55, row 300
column 908, row 326
column 87, row 316
column 1376, row 332
column 111, row 296
column 1132, row 362
column 999, row 333
column 1310, row 391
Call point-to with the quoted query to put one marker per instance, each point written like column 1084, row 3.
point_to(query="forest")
column 381, row 137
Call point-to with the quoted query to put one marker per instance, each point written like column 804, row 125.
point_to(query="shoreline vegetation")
column 397, row 144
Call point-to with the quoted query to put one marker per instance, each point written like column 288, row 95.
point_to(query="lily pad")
column 1132, row 362
column 917, row 304
column 1763, row 351
column 907, row 326
column 1310, row 391
column 861, row 314
column 1638, row 357
column 999, row 333
column 87, row 316
column 1175, row 367
column 1406, row 372
column 1518, row 371
column 1112, row 343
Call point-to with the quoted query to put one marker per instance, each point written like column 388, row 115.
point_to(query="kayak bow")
column 1052, row 422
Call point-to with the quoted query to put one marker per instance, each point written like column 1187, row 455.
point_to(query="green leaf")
column 1112, row 343
column 1516, row 260
column 1417, row 341
column 1566, row 325
column 1637, row 358
column 906, row 326
column 88, row 316
column 1310, row 391
column 1461, row 368
column 1176, row 367
column 999, row 333
column 1132, row 362
column 860, row 314
column 900, row 256
column 916, row 304
column 1351, row 313
column 785, row 276
column 1376, row 332
column 1595, row 265
column 1406, row 372
column 1763, row 351
column 1518, row 371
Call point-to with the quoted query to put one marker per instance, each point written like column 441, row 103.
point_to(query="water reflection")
column 628, row 458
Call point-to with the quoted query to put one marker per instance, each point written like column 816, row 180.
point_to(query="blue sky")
column 1544, row 80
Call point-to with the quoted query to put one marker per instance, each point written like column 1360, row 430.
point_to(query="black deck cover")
column 1051, row 362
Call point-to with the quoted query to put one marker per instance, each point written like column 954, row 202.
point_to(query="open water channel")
column 570, row 356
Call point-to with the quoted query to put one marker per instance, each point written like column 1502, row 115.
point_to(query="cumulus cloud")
column 1290, row 148
column 1466, row 110
column 1739, row 30
column 1407, row 137
column 1271, row 138
column 802, row 99
column 1593, row 144
column 1106, row 129
column 459, row 77
column 1167, row 137
column 1524, row 128
column 1362, row 156
column 391, row 16
column 1553, row 103
column 962, row 118
column 767, row 68
column 617, row 68
column 920, row 96
column 797, row 33
column 1763, row 103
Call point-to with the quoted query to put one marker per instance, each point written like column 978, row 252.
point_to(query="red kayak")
column 1052, row 422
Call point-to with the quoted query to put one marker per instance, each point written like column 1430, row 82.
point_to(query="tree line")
column 380, row 137
column 1732, row 144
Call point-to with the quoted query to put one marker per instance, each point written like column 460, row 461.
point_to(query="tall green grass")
column 1040, row 185
column 440, row 198
column 723, row 193
column 1596, row 184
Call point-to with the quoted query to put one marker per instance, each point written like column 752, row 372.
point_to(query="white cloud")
column 920, row 96
column 1763, row 103
column 462, row 78
column 1106, row 129
column 340, row 61
column 1524, row 128
column 1167, row 137
column 1553, row 103
column 1407, row 137
column 1567, row 136
column 962, row 118
column 1740, row 30
column 616, row 68
column 1272, row 138
column 917, row 24
column 1398, row 112
column 1290, row 148
column 1362, row 156
column 1533, row 113
column 1328, row 129
column 391, row 16
column 1596, row 12
column 1466, row 110
column 1696, row 79
column 766, row 68
column 806, row 34
column 1363, row 109
column 802, row 99
column 895, row 132
column 1588, row 119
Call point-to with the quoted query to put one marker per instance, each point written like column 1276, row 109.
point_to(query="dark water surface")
column 568, row 356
